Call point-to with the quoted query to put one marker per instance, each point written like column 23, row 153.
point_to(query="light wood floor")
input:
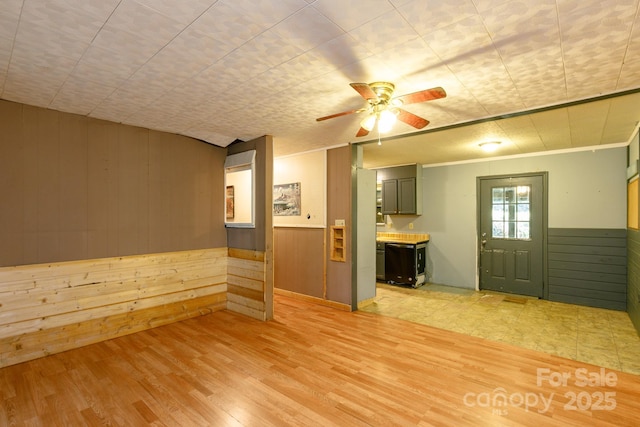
column 312, row 365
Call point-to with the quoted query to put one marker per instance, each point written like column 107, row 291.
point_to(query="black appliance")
column 380, row 246
column 405, row 263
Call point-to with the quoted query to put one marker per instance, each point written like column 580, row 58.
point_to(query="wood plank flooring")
column 312, row 365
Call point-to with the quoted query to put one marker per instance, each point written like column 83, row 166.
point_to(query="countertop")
column 411, row 238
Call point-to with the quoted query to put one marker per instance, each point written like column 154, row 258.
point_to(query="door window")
column 510, row 212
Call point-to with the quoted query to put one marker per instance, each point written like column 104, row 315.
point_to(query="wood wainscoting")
column 246, row 289
column 588, row 267
column 633, row 273
column 50, row 308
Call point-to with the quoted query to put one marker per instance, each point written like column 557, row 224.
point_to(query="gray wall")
column 587, row 189
column 633, row 272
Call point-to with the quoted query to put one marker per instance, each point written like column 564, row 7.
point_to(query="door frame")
column 545, row 223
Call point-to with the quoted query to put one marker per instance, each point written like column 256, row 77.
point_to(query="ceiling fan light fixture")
column 489, row 146
column 383, row 109
column 387, row 120
column 369, row 122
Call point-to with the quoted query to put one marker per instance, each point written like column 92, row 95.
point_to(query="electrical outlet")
column 410, row 226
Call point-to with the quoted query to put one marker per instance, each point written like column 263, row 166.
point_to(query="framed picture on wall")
column 286, row 199
column 229, row 201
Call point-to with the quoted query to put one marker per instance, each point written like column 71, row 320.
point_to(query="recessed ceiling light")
column 489, row 146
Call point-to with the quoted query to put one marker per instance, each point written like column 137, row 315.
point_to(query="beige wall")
column 302, row 260
column 75, row 188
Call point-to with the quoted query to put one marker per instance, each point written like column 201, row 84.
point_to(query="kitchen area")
column 400, row 257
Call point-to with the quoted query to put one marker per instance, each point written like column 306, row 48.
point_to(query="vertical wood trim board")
column 588, row 267
column 50, row 308
column 632, row 204
column 246, row 277
column 633, row 272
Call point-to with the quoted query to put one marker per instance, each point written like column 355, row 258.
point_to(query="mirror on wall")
column 239, row 183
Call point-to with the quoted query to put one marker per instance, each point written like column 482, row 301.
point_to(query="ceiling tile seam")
column 629, row 40
column 603, row 128
column 562, row 53
column 377, row 16
column 301, row 84
column 504, row 66
column 171, row 17
column 13, row 44
column 255, row 36
column 80, row 59
column 446, row 63
column 185, row 27
column 146, row 62
column 77, row 62
column 235, row 49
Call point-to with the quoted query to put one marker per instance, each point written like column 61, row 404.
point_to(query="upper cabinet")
column 401, row 190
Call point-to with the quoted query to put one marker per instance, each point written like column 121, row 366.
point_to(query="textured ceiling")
column 238, row 69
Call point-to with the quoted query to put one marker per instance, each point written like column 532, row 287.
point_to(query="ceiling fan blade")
column 411, row 119
column 344, row 113
column 364, row 90
column 362, row 132
column 422, row 96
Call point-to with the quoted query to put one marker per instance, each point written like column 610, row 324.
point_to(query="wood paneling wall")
column 300, row 260
column 49, row 308
column 340, row 285
column 633, row 252
column 106, row 229
column 75, row 188
column 588, row 267
column 633, row 273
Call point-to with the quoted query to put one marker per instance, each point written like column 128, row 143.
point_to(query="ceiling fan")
column 383, row 110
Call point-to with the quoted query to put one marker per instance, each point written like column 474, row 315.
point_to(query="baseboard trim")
column 311, row 299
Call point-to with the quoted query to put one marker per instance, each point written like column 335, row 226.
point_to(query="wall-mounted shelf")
column 338, row 243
